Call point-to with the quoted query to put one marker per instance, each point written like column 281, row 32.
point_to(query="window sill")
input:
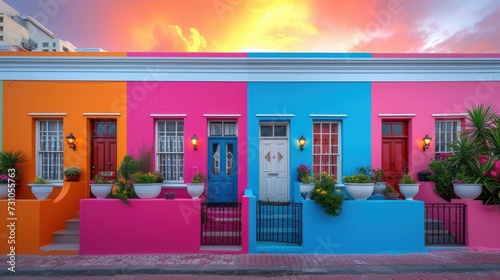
column 174, row 186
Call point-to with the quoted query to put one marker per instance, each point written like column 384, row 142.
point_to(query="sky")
column 373, row 26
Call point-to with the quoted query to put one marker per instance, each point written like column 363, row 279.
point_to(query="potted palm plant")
column 9, row 164
column 197, row 185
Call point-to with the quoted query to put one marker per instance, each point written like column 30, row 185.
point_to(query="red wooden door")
column 394, row 151
column 104, row 149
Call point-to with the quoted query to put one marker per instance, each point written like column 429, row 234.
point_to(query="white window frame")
column 448, row 139
column 328, row 167
column 177, row 168
column 50, row 167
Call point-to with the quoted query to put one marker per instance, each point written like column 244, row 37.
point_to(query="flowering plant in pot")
column 145, row 184
column 100, row 187
column 197, row 185
column 72, row 173
column 408, row 186
column 390, row 193
column 378, row 179
column 359, row 186
column 306, row 184
column 41, row 188
column 326, row 195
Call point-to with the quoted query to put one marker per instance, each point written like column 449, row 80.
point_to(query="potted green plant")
column 378, row 179
column 145, row 185
column 359, row 186
column 41, row 188
column 100, row 187
column 72, row 173
column 390, row 193
column 467, row 183
column 306, row 185
column 326, row 195
column 197, row 185
column 408, row 186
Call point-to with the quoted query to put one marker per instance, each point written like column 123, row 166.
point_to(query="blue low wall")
column 364, row 227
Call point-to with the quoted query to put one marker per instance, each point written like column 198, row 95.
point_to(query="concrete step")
column 433, row 224
column 73, row 224
column 61, row 247
column 66, row 236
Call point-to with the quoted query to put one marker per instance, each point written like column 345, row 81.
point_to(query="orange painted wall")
column 74, row 98
column 65, row 54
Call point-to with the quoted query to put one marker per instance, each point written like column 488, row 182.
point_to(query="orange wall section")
column 74, row 99
column 66, row 54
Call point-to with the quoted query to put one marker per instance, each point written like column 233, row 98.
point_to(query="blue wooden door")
column 223, row 170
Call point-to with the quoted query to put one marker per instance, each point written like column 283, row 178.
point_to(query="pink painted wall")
column 424, row 99
column 194, row 99
column 435, row 55
column 482, row 227
column 145, row 226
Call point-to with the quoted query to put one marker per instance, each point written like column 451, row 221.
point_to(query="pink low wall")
column 145, row 226
column 482, row 226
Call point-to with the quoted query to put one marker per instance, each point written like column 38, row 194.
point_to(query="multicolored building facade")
column 247, row 111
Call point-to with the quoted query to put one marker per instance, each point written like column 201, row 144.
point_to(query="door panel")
column 394, row 152
column 222, row 182
column 274, row 170
column 104, row 157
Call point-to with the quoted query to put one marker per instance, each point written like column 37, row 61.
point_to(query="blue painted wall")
column 301, row 100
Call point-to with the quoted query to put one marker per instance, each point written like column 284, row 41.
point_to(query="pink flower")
column 497, row 164
column 493, row 173
column 483, row 159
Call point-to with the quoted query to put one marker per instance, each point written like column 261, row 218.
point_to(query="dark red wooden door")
column 394, row 151
column 104, row 149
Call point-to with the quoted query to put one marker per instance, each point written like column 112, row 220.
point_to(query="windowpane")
column 170, row 149
column 326, row 142
column 397, row 129
column 230, row 129
column 446, row 132
column 279, row 130
column 216, row 129
column 266, row 131
column 50, row 149
column 386, row 129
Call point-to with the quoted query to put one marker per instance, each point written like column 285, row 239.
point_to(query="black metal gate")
column 445, row 224
column 279, row 222
column 221, row 224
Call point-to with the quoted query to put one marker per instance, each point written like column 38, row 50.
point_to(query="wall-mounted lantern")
column 71, row 141
column 194, row 141
column 302, row 142
column 427, row 141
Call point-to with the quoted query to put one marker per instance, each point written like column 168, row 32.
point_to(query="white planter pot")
column 409, row 190
column 149, row 190
column 195, row 189
column 101, row 191
column 379, row 188
column 41, row 191
column 4, row 191
column 359, row 191
column 307, row 190
column 467, row 191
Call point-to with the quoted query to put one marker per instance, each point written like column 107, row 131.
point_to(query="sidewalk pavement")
column 444, row 262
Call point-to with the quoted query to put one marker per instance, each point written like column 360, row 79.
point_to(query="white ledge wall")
column 248, row 69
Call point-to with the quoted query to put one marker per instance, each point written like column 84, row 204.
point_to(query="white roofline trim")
column 231, row 69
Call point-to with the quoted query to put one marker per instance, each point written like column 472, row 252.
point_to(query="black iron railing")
column 221, row 224
column 444, row 224
column 279, row 222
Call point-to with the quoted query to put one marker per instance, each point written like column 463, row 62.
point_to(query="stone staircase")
column 436, row 233
column 67, row 239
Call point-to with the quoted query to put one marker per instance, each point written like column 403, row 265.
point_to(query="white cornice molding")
column 397, row 115
column 47, row 114
column 248, row 69
column 449, row 115
column 168, row 115
column 101, row 114
column 328, row 116
column 222, row 115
